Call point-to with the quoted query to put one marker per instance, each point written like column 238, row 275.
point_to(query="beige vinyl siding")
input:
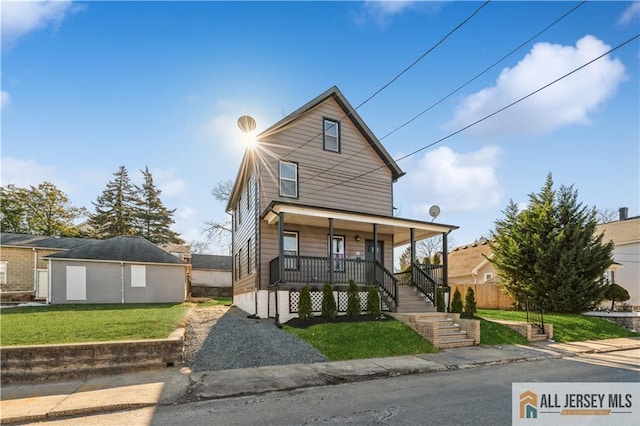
column 371, row 193
column 313, row 241
column 243, row 231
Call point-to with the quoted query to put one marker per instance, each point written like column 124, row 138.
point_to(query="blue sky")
column 90, row 86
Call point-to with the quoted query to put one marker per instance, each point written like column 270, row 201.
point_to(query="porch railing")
column 424, row 282
column 311, row 269
column 535, row 315
column 435, row 272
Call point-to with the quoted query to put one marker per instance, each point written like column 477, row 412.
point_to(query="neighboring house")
column 210, row 275
column 181, row 251
column 85, row 227
column 122, row 269
column 313, row 203
column 23, row 269
column 470, row 268
column 625, row 234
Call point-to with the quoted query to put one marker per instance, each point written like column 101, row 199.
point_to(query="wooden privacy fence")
column 488, row 295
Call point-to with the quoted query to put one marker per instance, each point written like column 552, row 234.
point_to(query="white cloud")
column 457, row 182
column 569, row 101
column 24, row 173
column 381, row 11
column 22, row 17
column 630, row 13
column 185, row 212
column 5, row 99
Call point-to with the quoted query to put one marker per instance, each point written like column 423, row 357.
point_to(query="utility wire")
column 459, row 87
column 483, row 118
column 398, row 75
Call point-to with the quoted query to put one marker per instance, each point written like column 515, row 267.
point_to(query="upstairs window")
column 331, row 139
column 288, row 179
column 3, row 272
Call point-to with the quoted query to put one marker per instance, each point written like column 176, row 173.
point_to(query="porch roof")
column 317, row 216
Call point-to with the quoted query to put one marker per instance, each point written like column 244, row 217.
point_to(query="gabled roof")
column 621, row 231
column 350, row 112
column 42, row 242
column 120, row 249
column 210, row 261
column 468, row 259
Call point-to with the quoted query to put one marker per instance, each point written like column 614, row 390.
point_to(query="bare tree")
column 431, row 246
column 220, row 231
column 199, row 247
column 606, row 215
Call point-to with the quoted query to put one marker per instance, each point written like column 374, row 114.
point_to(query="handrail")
column 435, row 272
column 535, row 315
column 387, row 281
column 424, row 282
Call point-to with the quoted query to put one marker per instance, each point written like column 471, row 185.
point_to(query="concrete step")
column 539, row 337
column 457, row 343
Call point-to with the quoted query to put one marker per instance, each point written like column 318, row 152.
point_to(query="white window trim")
column 291, row 264
column 488, row 276
column 76, row 283
column 338, row 257
column 138, row 276
column 4, row 268
column 326, row 134
column 281, row 178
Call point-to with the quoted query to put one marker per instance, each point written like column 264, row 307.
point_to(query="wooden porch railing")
column 310, row 270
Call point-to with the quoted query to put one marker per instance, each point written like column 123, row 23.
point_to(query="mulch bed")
column 300, row 323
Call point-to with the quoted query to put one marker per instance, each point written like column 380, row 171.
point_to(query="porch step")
column 441, row 329
column 457, row 343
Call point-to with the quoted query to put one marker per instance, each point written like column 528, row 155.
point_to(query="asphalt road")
column 477, row 396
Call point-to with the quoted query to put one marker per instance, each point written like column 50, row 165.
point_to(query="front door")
column 42, row 286
column 368, row 255
column 338, row 253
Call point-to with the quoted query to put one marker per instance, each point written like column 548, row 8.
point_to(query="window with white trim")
column 76, row 283
column 488, row 276
column 3, row 272
column 290, row 248
column 338, row 253
column 288, row 179
column 331, row 138
column 138, row 276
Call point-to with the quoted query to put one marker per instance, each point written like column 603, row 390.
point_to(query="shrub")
column 470, row 307
column 616, row 292
column 440, row 306
column 456, row 303
column 329, row 308
column 353, row 300
column 373, row 301
column 304, row 304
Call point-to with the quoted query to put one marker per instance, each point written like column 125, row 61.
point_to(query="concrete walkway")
column 30, row 402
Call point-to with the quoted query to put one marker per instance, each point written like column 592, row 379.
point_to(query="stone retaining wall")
column 55, row 362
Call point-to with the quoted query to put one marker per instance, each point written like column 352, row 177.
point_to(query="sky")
column 89, row 86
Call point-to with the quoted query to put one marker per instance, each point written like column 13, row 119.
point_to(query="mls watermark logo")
column 575, row 403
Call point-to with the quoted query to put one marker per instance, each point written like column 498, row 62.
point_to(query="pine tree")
column 153, row 218
column 373, row 301
column 305, row 309
column 440, row 306
column 329, row 308
column 549, row 253
column 116, row 208
column 353, row 300
column 470, row 307
column 456, row 302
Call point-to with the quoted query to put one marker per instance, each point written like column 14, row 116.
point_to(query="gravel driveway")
column 222, row 338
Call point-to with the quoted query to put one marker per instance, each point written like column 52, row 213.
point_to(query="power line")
column 461, row 86
column 485, row 117
column 399, row 74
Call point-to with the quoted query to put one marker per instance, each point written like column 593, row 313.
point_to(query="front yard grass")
column 370, row 339
column 567, row 327
column 492, row 333
column 37, row 325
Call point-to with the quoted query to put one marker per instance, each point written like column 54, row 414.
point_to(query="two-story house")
column 312, row 203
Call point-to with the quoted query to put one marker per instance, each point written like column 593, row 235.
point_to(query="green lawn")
column 88, row 323
column 370, row 339
column 567, row 327
column 492, row 333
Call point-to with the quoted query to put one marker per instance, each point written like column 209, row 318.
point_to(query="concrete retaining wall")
column 628, row 320
column 55, row 362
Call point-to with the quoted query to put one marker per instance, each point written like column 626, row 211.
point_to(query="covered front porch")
column 291, row 268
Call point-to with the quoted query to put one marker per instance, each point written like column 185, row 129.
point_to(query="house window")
column 76, row 283
column 331, row 139
column 138, row 276
column 488, row 276
column 290, row 248
column 249, row 256
column 288, row 179
column 235, row 266
column 240, row 210
column 249, row 182
column 338, row 253
column 3, row 272
column 240, row 263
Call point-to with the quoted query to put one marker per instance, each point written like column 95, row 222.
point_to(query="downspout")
column 445, row 268
column 122, row 280
column 35, row 271
column 49, row 283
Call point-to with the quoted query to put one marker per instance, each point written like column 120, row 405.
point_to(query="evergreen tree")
column 373, row 301
column 470, row 307
column 353, row 300
column 41, row 210
column 549, row 253
column 116, row 208
column 329, row 308
column 440, row 306
column 456, row 302
column 616, row 292
column 153, row 218
column 305, row 309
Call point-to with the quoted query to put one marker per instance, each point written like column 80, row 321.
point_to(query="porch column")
column 280, row 247
column 412, row 251
column 445, row 266
column 331, row 251
column 375, row 251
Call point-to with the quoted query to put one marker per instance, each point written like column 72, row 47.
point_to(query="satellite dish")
column 434, row 211
column 246, row 123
